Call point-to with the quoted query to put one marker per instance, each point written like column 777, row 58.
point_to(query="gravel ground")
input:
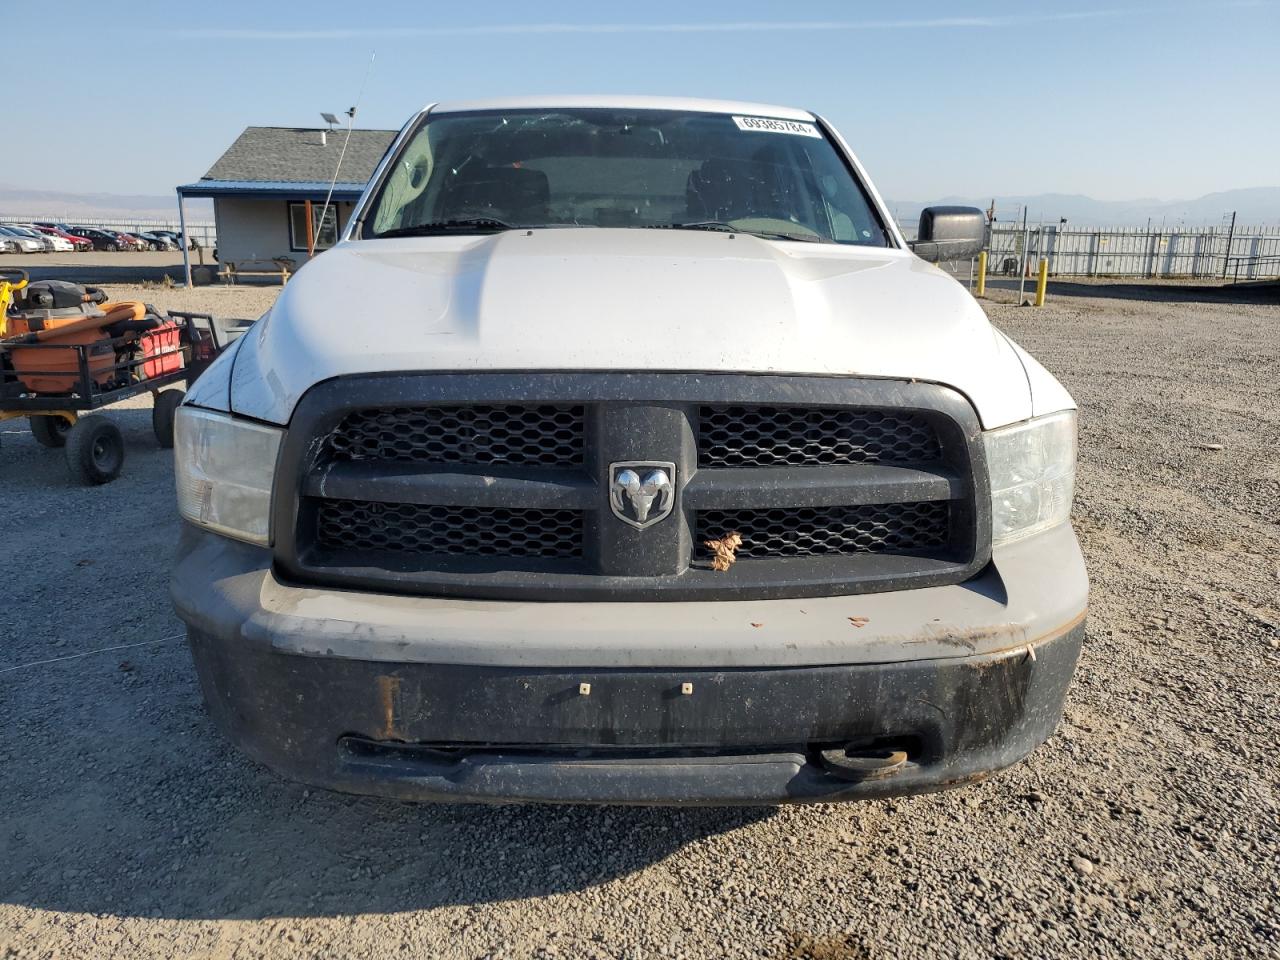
column 1148, row 826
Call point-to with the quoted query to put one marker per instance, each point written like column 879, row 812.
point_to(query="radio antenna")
column 351, row 119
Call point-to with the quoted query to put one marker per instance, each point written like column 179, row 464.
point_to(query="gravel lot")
column 1148, row 826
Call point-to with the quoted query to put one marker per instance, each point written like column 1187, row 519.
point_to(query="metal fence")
column 203, row 231
column 1232, row 254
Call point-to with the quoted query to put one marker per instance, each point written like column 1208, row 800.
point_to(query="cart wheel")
column 95, row 450
column 163, row 412
column 50, row 431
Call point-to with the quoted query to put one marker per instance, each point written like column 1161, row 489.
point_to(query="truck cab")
column 624, row 451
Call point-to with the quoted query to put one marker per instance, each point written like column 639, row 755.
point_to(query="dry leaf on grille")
column 724, row 550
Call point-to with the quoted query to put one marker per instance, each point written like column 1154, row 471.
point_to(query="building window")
column 328, row 232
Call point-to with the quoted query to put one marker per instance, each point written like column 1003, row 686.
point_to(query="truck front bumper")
column 708, row 702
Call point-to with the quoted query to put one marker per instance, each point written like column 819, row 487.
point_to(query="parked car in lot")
column 50, row 243
column 57, row 242
column 157, row 241
column 77, row 243
column 101, row 239
column 26, row 242
column 8, row 246
column 757, row 507
column 177, row 239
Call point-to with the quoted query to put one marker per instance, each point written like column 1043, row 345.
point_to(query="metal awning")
column 272, row 189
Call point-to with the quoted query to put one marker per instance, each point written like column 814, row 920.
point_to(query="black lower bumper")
column 446, row 732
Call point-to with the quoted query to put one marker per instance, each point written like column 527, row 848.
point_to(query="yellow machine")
column 11, row 281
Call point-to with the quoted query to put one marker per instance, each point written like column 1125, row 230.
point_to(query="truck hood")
column 624, row 299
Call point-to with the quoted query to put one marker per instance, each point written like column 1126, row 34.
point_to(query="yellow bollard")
column 1042, row 281
column 981, row 290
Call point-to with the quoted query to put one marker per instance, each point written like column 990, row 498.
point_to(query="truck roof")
column 688, row 104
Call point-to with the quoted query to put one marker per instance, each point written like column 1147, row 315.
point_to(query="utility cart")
column 58, row 362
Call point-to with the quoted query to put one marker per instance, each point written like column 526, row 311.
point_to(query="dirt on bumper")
column 464, row 732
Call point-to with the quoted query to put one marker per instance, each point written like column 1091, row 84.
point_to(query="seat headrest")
column 514, row 194
column 728, row 189
column 722, row 189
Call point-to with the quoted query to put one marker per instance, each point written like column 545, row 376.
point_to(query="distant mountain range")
column 19, row 202
column 1254, row 206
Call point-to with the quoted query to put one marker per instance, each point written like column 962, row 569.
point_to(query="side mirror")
column 949, row 233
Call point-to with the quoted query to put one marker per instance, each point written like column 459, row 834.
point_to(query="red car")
column 80, row 243
column 129, row 241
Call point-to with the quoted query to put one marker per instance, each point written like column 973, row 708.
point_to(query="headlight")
column 1032, row 466
column 224, row 469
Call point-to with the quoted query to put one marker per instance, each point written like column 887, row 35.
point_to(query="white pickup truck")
column 624, row 451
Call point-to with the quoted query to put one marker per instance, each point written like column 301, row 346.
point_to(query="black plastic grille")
column 496, row 486
column 742, row 436
column 546, row 435
column 823, row 531
column 449, row 531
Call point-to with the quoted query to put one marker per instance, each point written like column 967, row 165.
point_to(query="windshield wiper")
column 799, row 237
column 696, row 225
column 488, row 224
column 724, row 227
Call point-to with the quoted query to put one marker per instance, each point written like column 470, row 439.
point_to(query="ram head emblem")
column 641, row 492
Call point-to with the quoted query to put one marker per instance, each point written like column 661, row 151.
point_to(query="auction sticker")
column 769, row 125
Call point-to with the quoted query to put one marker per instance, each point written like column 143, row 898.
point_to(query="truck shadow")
column 209, row 835
column 120, row 797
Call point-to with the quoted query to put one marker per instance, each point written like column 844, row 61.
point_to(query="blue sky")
column 1117, row 100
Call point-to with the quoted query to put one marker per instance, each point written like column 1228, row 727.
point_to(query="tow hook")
column 860, row 763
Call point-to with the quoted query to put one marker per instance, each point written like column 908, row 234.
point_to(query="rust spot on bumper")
column 388, row 693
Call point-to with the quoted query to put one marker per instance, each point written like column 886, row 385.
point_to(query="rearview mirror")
column 949, row 233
